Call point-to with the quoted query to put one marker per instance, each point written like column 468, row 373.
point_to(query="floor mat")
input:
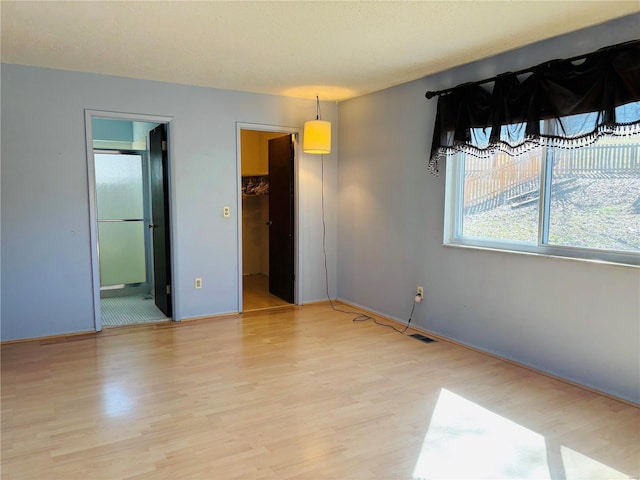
column 129, row 311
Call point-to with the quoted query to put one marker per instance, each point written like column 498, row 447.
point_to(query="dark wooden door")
column 159, row 168
column 281, row 241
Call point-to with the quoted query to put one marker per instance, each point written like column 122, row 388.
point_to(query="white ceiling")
column 337, row 49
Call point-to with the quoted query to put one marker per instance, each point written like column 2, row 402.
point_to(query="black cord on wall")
column 359, row 317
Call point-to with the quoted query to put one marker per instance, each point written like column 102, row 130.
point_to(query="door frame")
column 89, row 114
column 297, row 254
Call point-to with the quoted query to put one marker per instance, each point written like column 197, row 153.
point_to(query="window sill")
column 542, row 255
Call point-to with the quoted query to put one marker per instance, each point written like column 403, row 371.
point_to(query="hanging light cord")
column 318, row 116
column 359, row 317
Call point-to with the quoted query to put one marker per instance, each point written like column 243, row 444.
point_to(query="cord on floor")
column 359, row 317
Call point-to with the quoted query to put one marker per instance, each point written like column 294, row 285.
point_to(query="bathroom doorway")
column 130, row 193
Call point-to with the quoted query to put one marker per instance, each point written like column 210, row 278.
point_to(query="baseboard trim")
column 319, row 302
column 208, row 317
column 50, row 339
column 264, row 309
column 489, row 354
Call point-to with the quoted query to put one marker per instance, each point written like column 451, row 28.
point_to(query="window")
column 573, row 202
column 546, row 159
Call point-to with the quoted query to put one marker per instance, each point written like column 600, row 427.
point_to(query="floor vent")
column 422, row 338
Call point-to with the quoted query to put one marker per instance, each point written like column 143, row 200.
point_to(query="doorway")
column 268, row 239
column 129, row 209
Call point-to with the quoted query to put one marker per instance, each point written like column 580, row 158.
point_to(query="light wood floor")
column 296, row 393
column 255, row 294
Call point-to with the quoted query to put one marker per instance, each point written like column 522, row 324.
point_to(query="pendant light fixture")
column 317, row 134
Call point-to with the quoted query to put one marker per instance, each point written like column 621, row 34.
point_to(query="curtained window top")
column 559, row 103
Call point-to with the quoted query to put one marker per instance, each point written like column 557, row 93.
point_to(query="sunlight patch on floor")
column 467, row 441
column 577, row 466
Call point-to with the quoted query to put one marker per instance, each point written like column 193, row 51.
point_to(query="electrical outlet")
column 226, row 212
column 198, row 283
column 420, row 291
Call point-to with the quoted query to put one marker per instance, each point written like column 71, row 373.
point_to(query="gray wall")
column 574, row 319
column 46, row 269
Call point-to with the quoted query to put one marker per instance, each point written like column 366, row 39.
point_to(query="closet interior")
column 254, row 154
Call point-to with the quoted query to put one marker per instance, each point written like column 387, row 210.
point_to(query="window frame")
column 453, row 218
